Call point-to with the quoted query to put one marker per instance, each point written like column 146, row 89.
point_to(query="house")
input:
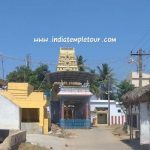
column 141, row 97
column 9, row 114
column 32, row 107
column 99, row 112
column 134, row 79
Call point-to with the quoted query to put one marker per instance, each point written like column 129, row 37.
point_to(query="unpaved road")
column 100, row 138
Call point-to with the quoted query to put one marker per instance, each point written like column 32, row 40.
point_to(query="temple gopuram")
column 70, row 96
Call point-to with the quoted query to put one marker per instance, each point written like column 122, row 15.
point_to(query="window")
column 30, row 115
column 119, row 110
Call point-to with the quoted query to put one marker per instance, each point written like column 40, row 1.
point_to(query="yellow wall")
column 22, row 94
column 20, row 90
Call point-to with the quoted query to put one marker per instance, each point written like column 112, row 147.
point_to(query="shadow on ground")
column 135, row 144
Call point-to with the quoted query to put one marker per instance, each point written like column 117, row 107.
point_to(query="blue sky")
column 23, row 20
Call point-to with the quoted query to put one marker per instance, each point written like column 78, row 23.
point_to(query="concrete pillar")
column 41, row 116
column 62, row 109
column 122, row 118
column 115, row 120
column 119, row 120
column 45, row 126
column 112, row 120
column 87, row 110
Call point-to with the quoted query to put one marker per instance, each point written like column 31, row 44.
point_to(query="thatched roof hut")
column 137, row 95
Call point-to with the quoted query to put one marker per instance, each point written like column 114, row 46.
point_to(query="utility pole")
column 139, row 54
column 3, row 68
column 2, row 62
column 108, row 100
column 28, row 60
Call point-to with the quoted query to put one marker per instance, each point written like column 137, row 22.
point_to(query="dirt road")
column 100, row 138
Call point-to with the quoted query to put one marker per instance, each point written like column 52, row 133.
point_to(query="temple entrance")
column 75, row 112
column 75, row 109
column 69, row 111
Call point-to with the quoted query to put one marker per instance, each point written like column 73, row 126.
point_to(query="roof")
column 5, row 98
column 70, row 76
column 137, row 95
column 3, row 83
column 102, row 101
column 75, row 93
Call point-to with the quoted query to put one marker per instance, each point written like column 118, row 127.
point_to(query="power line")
column 140, row 53
column 141, row 40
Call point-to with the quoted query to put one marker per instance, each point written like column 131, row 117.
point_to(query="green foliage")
column 104, row 77
column 37, row 78
column 123, row 88
column 106, row 81
column 81, row 63
column 21, row 74
column 94, row 86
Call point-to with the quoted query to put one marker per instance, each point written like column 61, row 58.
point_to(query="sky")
column 23, row 20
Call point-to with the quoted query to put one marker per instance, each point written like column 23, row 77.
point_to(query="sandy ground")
column 97, row 138
column 47, row 141
column 29, row 146
column 100, row 138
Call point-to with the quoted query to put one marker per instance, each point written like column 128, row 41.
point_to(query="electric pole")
column 140, row 54
column 2, row 62
column 108, row 100
column 28, row 60
column 3, row 68
column 140, row 64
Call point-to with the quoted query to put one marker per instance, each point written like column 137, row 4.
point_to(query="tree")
column 81, row 63
column 37, row 78
column 123, row 88
column 94, row 86
column 21, row 74
column 106, row 80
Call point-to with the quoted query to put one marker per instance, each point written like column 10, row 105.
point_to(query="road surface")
column 98, row 138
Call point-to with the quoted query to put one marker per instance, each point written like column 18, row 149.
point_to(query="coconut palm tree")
column 81, row 63
column 106, row 80
column 123, row 87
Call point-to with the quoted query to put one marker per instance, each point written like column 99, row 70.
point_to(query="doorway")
column 101, row 118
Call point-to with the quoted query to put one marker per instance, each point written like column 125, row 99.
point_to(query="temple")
column 70, row 98
column 67, row 60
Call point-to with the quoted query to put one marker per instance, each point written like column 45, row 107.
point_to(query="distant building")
column 32, row 107
column 99, row 112
column 134, row 79
column 67, row 60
